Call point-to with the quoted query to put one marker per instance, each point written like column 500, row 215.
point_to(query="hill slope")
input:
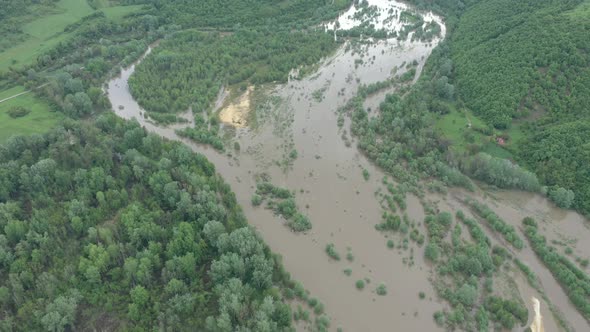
column 524, row 66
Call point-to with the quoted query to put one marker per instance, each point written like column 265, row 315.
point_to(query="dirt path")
column 16, row 95
column 22, row 93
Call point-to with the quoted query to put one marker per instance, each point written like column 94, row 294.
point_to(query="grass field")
column 455, row 127
column 582, row 11
column 40, row 120
column 117, row 13
column 46, row 31
column 43, row 33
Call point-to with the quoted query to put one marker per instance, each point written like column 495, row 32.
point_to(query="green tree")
column 562, row 197
column 61, row 313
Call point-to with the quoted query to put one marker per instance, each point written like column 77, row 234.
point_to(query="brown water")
column 554, row 223
column 341, row 204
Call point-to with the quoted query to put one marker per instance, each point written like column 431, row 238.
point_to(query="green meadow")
column 47, row 30
column 39, row 120
column 460, row 128
column 44, row 32
column 117, row 13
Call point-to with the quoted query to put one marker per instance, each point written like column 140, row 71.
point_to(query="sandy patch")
column 236, row 113
column 537, row 324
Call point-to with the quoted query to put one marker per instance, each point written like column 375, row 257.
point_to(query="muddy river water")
column 340, row 203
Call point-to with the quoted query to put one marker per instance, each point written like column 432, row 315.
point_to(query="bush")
column 360, row 284
column 496, row 223
column 467, row 295
column 18, row 112
column 500, row 172
column 286, row 208
column 432, row 251
column 256, row 200
column 562, row 197
column 366, row 175
column 439, row 318
column 300, row 223
column 390, row 244
column 574, row 281
column 349, row 256
column 331, row 251
column 381, row 290
column 319, row 308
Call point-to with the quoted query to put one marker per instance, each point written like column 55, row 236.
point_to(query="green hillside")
column 524, row 68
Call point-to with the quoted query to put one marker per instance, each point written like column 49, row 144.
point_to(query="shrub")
column 500, row 172
column 360, row 284
column 467, row 295
column 256, row 200
column 331, row 251
column 312, row 302
column 431, row 251
column 349, row 256
column 366, row 175
column 562, row 197
column 496, row 223
column 18, row 112
column 439, row 318
column 300, row 223
column 381, row 290
column 390, row 244
column 286, row 208
column 319, row 308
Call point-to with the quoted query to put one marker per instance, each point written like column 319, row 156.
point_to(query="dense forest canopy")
column 234, row 13
column 108, row 227
column 517, row 57
column 103, row 226
column 189, row 68
column 526, row 63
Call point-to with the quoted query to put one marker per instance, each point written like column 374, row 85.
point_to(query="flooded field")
column 327, row 176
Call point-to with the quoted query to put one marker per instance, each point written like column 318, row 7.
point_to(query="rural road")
column 22, row 93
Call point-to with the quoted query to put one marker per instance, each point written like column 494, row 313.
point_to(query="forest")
column 522, row 67
column 109, row 227
column 228, row 14
column 103, row 226
column 189, row 68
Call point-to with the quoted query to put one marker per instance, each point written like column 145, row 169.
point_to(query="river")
column 340, row 203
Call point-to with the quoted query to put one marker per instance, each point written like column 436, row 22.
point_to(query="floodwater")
column 386, row 17
column 340, row 203
column 555, row 224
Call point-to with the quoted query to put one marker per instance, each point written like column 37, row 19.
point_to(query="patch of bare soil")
column 236, row 113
